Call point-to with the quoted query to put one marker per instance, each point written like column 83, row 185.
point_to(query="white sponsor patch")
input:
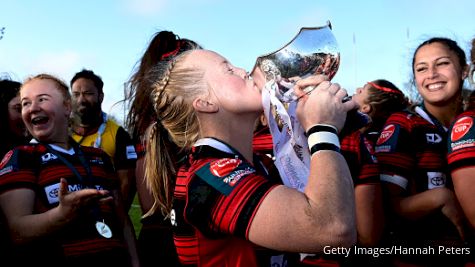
column 47, row 157
column 52, row 193
column 130, row 151
column 436, row 180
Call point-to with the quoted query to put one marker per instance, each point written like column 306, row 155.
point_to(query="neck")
column 445, row 114
column 237, row 134
column 62, row 143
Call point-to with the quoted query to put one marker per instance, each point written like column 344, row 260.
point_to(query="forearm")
column 130, row 240
column 127, row 229
column 369, row 214
column 419, row 205
column 330, row 189
column 27, row 228
column 127, row 186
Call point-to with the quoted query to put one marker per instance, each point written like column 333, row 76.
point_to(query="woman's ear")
column 465, row 72
column 365, row 108
column 68, row 107
column 205, row 105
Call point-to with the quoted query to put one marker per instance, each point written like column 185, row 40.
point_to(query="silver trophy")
column 313, row 50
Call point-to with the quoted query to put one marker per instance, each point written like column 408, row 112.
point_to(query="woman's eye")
column 421, row 69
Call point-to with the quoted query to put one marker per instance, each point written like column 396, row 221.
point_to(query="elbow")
column 342, row 234
column 348, row 236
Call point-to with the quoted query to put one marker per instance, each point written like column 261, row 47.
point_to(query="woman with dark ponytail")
column 155, row 242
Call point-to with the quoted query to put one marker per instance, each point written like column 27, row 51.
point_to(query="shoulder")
column 462, row 126
column 466, row 114
column 21, row 156
column 113, row 125
column 402, row 117
column 91, row 151
column 350, row 142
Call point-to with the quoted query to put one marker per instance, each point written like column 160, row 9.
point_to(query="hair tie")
column 385, row 89
column 173, row 52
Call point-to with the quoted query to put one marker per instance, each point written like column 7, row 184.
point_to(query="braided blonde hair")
column 177, row 128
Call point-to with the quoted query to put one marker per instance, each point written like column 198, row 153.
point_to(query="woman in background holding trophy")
column 224, row 204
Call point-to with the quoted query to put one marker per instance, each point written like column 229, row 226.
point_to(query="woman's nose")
column 243, row 73
column 433, row 72
column 34, row 106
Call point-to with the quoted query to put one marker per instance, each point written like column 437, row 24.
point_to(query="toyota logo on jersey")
column 224, row 166
column 387, row 132
column 461, row 128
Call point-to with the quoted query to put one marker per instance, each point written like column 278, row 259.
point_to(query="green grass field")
column 135, row 213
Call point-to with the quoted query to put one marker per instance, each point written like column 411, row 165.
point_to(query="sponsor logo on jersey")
column 462, row 144
column 130, row 152
column 6, row 170
column 96, row 160
column 236, row 175
column 6, row 158
column 368, row 146
column 370, row 149
column 52, row 191
column 224, row 174
column 47, row 157
column 223, row 167
column 436, row 179
column 173, row 217
column 386, row 134
column 461, row 128
column 433, row 138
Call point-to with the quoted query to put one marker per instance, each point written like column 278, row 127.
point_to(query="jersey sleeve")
column 224, row 196
column 359, row 155
column 395, row 150
column 125, row 155
column 17, row 170
column 369, row 173
column 461, row 142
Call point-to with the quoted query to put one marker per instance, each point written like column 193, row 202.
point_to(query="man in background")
column 92, row 127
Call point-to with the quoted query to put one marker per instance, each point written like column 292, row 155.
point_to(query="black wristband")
column 323, row 146
column 321, row 128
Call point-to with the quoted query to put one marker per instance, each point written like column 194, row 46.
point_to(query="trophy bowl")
column 313, row 50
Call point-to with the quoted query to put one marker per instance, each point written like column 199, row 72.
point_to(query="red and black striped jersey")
column 461, row 145
column 216, row 196
column 411, row 153
column 359, row 155
column 262, row 141
column 35, row 167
